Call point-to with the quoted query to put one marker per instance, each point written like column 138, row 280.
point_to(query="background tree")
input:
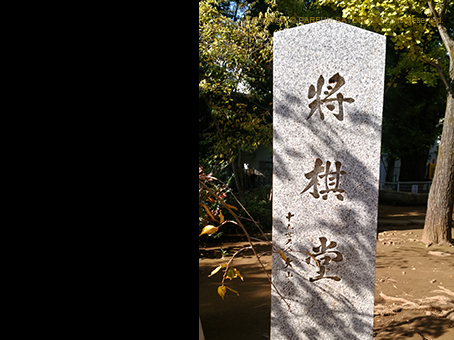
column 411, row 120
column 423, row 30
column 235, row 50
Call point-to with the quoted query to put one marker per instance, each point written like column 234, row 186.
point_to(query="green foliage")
column 300, row 11
column 234, row 79
column 418, row 71
column 260, row 207
column 411, row 113
column 411, row 123
column 410, row 27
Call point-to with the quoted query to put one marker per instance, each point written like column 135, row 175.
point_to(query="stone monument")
column 328, row 99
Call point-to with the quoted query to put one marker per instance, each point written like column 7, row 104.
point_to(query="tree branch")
column 437, row 17
column 420, row 57
column 447, row 41
column 226, row 206
column 442, row 13
column 391, row 83
column 442, row 75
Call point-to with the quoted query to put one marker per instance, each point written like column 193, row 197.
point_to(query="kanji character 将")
column 317, row 103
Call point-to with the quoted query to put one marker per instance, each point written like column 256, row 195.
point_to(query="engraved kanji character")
column 313, row 176
column 332, row 179
column 321, row 250
column 317, row 103
column 329, row 179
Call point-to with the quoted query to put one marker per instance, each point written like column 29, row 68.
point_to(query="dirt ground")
column 414, row 285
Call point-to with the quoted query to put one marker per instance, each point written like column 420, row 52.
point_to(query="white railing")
column 422, row 187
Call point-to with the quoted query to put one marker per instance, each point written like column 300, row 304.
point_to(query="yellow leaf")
column 221, row 291
column 221, row 216
column 238, row 273
column 209, row 229
column 232, row 290
column 218, row 268
column 208, row 211
column 316, row 262
column 283, row 256
column 231, row 206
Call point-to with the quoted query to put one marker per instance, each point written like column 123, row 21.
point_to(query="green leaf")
column 230, row 273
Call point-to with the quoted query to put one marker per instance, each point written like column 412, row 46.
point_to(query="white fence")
column 422, row 187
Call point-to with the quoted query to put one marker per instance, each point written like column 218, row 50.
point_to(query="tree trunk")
column 438, row 224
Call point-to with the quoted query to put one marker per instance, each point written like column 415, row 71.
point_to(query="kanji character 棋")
column 332, row 180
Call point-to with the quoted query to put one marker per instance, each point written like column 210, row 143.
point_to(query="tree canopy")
column 412, row 28
column 234, row 69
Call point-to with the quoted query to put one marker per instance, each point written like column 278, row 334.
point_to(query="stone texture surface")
column 325, row 179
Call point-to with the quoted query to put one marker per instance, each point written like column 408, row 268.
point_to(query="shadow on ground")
column 421, row 327
column 248, row 316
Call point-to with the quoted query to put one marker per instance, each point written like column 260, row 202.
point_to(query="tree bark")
column 438, row 224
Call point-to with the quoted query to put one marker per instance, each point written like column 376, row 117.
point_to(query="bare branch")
column 230, row 261
column 226, row 206
column 391, row 83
